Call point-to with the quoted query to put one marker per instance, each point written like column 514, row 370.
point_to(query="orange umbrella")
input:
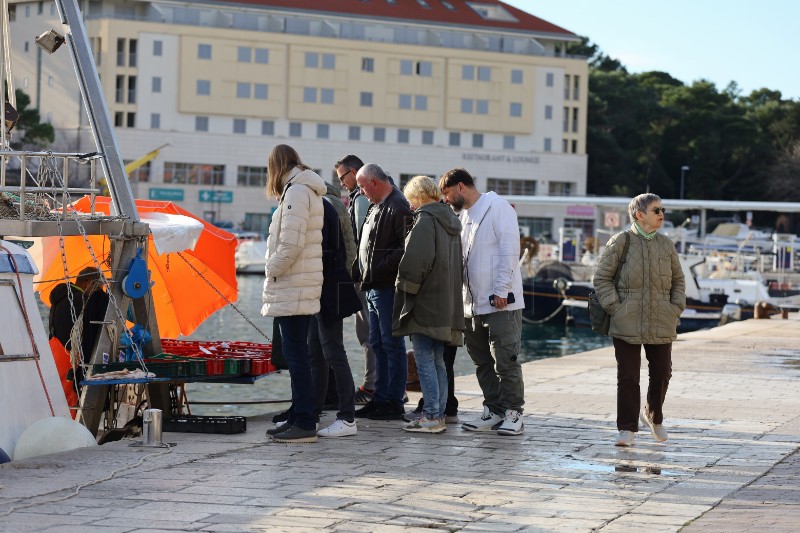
column 189, row 285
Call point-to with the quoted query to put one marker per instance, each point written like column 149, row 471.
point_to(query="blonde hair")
column 422, row 188
column 282, row 159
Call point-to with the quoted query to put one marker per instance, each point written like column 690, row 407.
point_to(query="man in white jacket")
column 493, row 300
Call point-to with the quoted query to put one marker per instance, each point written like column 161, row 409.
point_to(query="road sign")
column 173, row 195
column 222, row 197
column 611, row 219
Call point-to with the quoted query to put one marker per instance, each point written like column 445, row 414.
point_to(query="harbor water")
column 538, row 341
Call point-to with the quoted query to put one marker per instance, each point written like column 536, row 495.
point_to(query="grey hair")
column 640, row 204
column 373, row 171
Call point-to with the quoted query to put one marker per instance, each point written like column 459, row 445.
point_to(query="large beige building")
column 417, row 86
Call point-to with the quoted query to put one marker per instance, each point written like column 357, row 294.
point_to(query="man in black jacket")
column 381, row 246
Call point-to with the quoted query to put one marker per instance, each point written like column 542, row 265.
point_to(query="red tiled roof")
column 412, row 10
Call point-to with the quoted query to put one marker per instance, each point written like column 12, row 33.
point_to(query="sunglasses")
column 659, row 210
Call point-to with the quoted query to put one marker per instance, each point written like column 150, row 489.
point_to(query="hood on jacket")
column 444, row 215
column 60, row 292
column 306, row 177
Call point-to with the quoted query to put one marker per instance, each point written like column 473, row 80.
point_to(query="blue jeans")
column 326, row 347
column 294, row 341
column 390, row 352
column 429, row 356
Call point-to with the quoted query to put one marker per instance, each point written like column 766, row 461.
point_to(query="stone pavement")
column 731, row 462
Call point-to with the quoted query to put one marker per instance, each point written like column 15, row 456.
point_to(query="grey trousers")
column 493, row 343
column 362, row 334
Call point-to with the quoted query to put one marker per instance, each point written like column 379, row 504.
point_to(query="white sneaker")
column 488, row 422
column 625, row 438
column 658, row 431
column 512, row 424
column 339, row 428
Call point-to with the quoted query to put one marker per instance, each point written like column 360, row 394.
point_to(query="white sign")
column 611, row 219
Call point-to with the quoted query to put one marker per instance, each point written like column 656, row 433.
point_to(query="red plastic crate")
column 253, row 359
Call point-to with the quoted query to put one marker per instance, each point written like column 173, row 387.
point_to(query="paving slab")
column 731, row 462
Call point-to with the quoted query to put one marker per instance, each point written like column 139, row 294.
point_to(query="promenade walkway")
column 731, row 463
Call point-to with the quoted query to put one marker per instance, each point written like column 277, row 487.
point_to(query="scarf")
column 643, row 233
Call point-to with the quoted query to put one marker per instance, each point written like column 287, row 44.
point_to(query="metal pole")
column 684, row 168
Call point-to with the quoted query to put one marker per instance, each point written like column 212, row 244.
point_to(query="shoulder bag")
column 600, row 319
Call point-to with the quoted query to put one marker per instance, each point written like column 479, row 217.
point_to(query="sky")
column 754, row 43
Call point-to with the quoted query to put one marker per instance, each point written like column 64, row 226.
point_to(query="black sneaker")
column 281, row 417
column 280, row 428
column 296, row 435
column 387, row 411
column 363, row 396
column 368, row 408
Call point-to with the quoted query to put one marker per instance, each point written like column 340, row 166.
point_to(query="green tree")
column 34, row 133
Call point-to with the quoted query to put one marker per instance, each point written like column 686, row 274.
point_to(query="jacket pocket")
column 666, row 319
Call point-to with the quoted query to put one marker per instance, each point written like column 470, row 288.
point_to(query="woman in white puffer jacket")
column 293, row 281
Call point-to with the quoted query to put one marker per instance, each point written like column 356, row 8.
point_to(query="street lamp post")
column 684, row 168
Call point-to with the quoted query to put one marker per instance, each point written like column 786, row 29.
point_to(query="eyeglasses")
column 659, row 210
column 345, row 174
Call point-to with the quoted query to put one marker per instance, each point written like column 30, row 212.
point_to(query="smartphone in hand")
column 510, row 299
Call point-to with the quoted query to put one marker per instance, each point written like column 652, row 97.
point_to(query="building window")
column 467, row 105
column 354, row 133
column 467, row 72
column 204, row 87
column 120, row 52
column 477, row 140
column 566, row 120
column 427, row 137
column 203, row 51
column 200, row 123
column 119, row 120
column 156, row 84
column 455, row 138
column 484, row 74
column 242, row 90
column 511, row 186
column 403, row 136
column 379, row 135
column 158, row 48
column 406, row 67
column 515, row 109
column 482, row 107
column 155, row 121
column 424, row 68
column 141, row 174
column 574, row 146
column 566, row 86
column 560, row 188
column 26, row 46
column 251, row 176
column 310, row 95
column 323, row 131
column 420, row 102
column 262, row 56
column 260, row 91
column 509, row 142
column 119, row 93
column 132, row 89
column 366, row 99
column 295, row 129
column 548, row 112
column 328, row 61
column 516, row 76
column 404, row 101
column 549, row 79
column 240, row 125
column 244, row 54
column 40, row 8
column 564, row 146
column 576, row 82
column 575, row 120
column 131, row 120
column 194, row 173
column 312, row 60
column 267, row 127
column 367, row 64
column 132, row 45
column 326, row 96
column 548, row 144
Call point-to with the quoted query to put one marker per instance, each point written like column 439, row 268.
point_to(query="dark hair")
column 454, row 177
column 89, row 274
column 350, row 161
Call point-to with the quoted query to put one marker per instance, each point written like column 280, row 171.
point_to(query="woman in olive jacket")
column 644, row 307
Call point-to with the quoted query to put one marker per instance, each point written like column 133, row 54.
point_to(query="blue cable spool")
column 137, row 282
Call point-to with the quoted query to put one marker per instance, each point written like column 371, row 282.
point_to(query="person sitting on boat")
column 95, row 304
column 293, row 283
column 64, row 309
column 644, row 307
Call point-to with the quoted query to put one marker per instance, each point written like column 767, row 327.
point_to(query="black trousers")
column 629, row 360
